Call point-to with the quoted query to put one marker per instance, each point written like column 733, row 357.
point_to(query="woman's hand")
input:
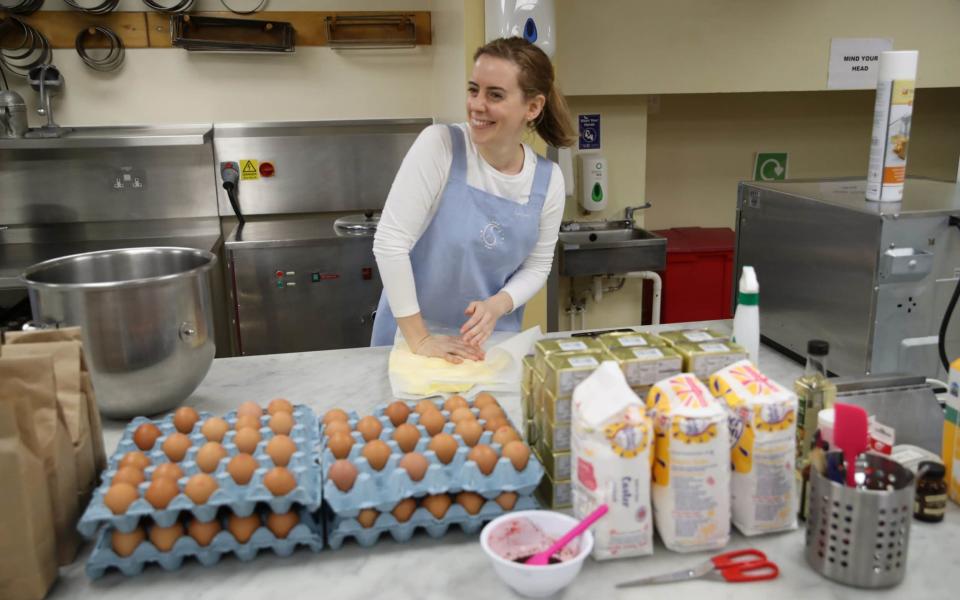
column 484, row 315
column 451, row 349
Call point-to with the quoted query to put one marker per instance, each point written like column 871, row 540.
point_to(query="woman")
column 468, row 230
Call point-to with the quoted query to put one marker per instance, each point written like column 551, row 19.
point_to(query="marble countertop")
column 454, row 565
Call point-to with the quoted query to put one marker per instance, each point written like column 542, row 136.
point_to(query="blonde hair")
column 554, row 124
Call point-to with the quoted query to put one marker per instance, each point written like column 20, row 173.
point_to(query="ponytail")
column 554, row 124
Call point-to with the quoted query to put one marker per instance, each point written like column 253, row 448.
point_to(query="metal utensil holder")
column 858, row 535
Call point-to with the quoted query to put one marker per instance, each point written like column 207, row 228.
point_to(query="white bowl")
column 545, row 580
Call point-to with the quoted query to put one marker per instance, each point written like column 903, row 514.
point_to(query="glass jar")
column 931, row 498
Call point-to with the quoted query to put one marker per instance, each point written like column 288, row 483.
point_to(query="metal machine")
column 302, row 267
column 873, row 279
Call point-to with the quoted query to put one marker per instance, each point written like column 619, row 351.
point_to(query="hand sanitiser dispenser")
column 593, row 182
column 533, row 20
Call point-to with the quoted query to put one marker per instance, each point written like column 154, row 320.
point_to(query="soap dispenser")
column 593, row 179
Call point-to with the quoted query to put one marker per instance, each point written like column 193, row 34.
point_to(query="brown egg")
column 454, row 402
column 146, row 435
column 445, row 447
column 184, row 418
column 495, row 423
column 406, row 436
column 203, row 532
column 279, row 405
column 340, row 444
column 165, row 537
column 336, row 427
column 461, row 414
column 176, row 446
column 281, row 523
column 247, row 422
column 124, row 544
column 280, row 481
column 404, row 510
column 242, row 528
column 368, row 517
column 491, row 411
column 280, row 448
column 485, row 457
column 470, row 502
column 131, row 475
column 505, row 434
column 437, row 505
column 281, row 423
column 119, row 497
column 432, row 421
column 168, row 470
column 250, row 408
column 210, row 455
column 343, row 474
column 423, row 406
column 397, row 412
column 507, row 500
column 377, row 453
column 134, row 459
column 214, row 429
column 241, row 468
column 161, row 492
column 335, row 414
column 470, row 431
column 485, row 399
column 369, row 427
column 518, row 453
column 200, row 487
column 247, row 440
column 415, row 464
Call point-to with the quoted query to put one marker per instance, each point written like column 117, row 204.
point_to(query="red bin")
column 698, row 281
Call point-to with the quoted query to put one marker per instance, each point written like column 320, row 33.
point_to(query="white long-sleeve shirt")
column 415, row 196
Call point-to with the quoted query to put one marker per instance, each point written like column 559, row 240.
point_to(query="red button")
column 279, row 273
column 366, row 273
column 266, row 169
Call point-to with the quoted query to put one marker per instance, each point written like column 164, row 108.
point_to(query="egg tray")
column 383, row 489
column 340, row 528
column 306, row 533
column 240, row 499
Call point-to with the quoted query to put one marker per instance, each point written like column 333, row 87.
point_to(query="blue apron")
column 472, row 247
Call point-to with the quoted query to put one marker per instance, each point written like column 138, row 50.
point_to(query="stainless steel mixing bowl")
column 147, row 321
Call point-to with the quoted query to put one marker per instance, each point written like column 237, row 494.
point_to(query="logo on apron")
column 491, row 234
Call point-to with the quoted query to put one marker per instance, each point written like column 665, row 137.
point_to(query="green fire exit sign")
column 770, row 166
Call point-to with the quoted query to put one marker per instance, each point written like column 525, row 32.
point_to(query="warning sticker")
column 248, row 170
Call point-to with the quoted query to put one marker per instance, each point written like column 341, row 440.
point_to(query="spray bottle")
column 746, row 321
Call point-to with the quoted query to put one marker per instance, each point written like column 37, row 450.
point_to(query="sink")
column 609, row 247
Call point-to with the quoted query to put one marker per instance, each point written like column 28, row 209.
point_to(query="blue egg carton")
column 240, row 499
column 383, row 489
column 340, row 528
column 308, row 533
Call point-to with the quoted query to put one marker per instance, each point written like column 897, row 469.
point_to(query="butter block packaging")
column 691, row 468
column 705, row 358
column 951, row 434
column 556, row 464
column 545, row 347
column 631, row 339
column 763, row 421
column 555, row 494
column 687, row 336
column 564, row 370
column 645, row 365
column 612, row 446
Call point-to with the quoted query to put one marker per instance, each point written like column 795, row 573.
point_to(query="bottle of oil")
column 815, row 392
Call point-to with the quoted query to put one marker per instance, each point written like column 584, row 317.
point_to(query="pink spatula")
column 850, row 435
column 543, row 558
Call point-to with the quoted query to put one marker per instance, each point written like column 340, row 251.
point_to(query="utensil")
column 543, row 558
column 739, row 566
column 850, row 435
column 537, row 581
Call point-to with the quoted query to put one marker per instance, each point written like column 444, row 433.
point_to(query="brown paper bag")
column 66, row 369
column 28, row 553
column 93, row 413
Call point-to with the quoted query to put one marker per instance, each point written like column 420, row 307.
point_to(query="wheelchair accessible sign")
column 770, row 166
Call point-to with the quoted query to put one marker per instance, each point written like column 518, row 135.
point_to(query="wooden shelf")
column 152, row 29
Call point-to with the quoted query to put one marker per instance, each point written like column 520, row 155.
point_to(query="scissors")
column 738, row 566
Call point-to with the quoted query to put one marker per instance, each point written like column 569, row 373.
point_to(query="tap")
column 629, row 211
